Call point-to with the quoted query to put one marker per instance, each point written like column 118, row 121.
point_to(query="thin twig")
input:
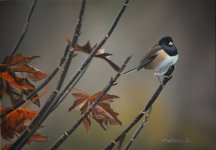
column 111, row 83
column 167, row 77
column 23, row 33
column 23, row 139
column 137, row 131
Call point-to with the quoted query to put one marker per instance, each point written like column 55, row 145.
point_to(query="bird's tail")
column 130, row 71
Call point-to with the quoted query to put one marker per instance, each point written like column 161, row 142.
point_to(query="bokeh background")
column 186, row 108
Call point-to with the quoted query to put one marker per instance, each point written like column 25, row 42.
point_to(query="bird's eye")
column 170, row 43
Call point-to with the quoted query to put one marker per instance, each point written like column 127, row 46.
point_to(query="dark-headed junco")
column 159, row 58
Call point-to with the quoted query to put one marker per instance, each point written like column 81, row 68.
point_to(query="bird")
column 159, row 58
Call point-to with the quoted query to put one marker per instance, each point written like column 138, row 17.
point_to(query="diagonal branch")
column 70, row 88
column 167, row 77
column 24, row 31
column 111, row 83
column 138, row 130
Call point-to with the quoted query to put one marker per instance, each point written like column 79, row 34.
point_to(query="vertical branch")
column 111, row 83
column 21, row 141
column 72, row 44
column 167, row 77
column 24, row 31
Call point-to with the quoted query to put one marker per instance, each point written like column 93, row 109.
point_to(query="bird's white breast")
column 165, row 65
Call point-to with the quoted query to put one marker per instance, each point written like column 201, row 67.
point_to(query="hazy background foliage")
column 186, row 108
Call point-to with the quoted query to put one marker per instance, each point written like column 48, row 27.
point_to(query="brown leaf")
column 105, row 116
column 87, row 123
column 21, row 59
column 112, row 64
column 100, row 54
column 33, row 73
column 38, row 138
column 102, row 112
column 85, row 49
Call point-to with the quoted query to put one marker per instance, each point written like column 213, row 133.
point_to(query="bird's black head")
column 167, row 44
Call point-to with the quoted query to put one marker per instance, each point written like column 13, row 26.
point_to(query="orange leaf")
column 15, row 122
column 10, row 79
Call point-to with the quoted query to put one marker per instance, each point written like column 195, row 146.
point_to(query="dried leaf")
column 15, row 122
column 21, row 59
column 18, row 83
column 33, row 73
column 87, row 123
column 102, row 112
column 100, row 54
column 14, row 78
column 38, row 138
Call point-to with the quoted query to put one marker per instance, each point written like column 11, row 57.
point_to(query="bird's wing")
column 150, row 56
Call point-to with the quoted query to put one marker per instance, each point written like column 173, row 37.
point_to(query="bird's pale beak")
column 170, row 43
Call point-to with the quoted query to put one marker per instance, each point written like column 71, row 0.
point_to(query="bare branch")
column 138, row 130
column 167, row 77
column 24, row 31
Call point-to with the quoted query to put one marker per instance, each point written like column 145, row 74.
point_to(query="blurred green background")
column 186, row 108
